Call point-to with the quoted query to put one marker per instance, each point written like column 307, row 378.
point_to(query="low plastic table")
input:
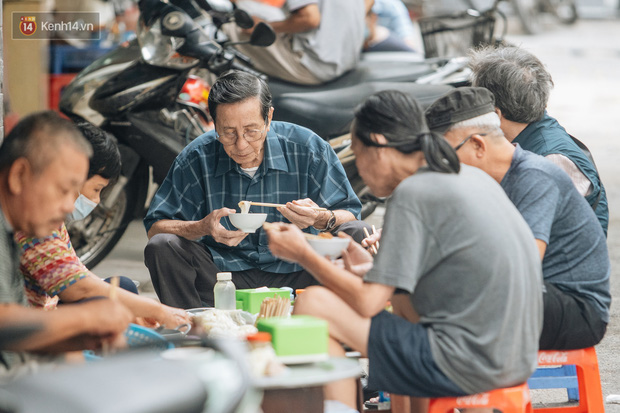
column 302, row 385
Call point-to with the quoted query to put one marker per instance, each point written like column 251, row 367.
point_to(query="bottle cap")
column 224, row 276
column 290, row 290
column 259, row 336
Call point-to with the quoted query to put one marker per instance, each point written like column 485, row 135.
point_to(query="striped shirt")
column 297, row 164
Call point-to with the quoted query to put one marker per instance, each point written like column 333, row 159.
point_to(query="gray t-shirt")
column 335, row 46
column 576, row 259
column 458, row 245
column 12, row 288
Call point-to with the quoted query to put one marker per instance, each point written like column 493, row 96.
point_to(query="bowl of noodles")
column 248, row 223
column 327, row 245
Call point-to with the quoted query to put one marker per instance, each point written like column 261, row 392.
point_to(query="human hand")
column 146, row 322
column 371, row 242
column 88, row 342
column 287, row 242
column 173, row 317
column 105, row 321
column 355, row 258
column 301, row 212
column 213, row 226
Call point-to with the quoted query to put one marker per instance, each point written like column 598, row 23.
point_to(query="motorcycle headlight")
column 161, row 50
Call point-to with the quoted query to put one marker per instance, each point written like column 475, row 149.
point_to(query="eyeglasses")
column 464, row 141
column 250, row 135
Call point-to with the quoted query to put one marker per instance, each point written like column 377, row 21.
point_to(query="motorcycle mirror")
column 243, row 19
column 176, row 23
column 263, row 35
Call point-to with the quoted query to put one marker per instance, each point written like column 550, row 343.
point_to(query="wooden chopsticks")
column 112, row 294
column 374, row 231
column 267, row 204
column 114, row 282
column 274, row 307
column 373, row 247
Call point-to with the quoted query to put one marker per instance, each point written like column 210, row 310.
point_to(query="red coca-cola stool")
column 509, row 400
column 588, row 378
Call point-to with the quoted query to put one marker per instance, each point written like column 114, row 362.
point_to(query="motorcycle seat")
column 335, row 108
column 368, row 70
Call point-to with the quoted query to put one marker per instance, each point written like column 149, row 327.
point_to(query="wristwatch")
column 331, row 222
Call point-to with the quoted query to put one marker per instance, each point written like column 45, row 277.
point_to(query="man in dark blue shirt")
column 572, row 246
column 246, row 158
column 521, row 86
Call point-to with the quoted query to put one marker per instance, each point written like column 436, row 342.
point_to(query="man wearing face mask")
column 83, row 207
column 53, row 272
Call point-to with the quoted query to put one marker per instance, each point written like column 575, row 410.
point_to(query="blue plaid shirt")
column 297, row 164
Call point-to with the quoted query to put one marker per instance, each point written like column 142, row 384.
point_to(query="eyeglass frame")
column 464, row 141
column 243, row 134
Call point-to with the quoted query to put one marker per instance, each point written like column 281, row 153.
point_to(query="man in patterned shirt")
column 247, row 157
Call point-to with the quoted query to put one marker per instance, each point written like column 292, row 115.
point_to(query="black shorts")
column 400, row 360
column 570, row 322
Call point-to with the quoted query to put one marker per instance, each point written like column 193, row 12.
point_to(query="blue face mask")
column 83, row 207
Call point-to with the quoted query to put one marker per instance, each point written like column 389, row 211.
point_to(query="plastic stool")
column 562, row 377
column 509, row 400
column 588, row 377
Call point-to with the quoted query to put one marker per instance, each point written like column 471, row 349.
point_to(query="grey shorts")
column 400, row 360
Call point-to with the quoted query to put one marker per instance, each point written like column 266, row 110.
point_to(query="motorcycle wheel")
column 529, row 14
column 564, row 10
column 94, row 237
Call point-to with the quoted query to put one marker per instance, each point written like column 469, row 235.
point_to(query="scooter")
column 150, row 94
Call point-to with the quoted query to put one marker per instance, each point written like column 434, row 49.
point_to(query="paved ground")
column 585, row 62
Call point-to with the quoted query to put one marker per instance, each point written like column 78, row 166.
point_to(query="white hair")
column 488, row 121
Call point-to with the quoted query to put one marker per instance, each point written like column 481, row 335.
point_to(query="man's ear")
column 499, row 112
column 480, row 145
column 379, row 138
column 18, row 174
column 269, row 118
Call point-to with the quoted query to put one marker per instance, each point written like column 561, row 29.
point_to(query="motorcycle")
column 531, row 13
column 148, row 94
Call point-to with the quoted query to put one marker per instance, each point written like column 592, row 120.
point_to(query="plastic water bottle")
column 224, row 292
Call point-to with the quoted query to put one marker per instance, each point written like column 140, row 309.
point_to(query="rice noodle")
column 244, row 206
column 225, row 323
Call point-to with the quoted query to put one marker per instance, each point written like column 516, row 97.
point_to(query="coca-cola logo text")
column 480, row 399
column 552, row 357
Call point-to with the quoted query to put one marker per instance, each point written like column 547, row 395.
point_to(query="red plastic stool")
column 509, row 400
column 590, row 392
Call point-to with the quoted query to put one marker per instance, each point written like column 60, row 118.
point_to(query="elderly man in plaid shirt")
column 246, row 158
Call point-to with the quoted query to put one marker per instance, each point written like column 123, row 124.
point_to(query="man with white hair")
column 569, row 237
column 521, row 86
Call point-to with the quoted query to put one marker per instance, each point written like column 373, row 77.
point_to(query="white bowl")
column 331, row 247
column 247, row 222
